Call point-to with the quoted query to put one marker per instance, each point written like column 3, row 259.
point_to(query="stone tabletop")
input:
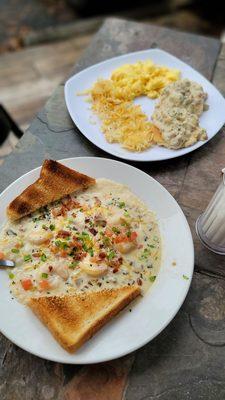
column 186, row 361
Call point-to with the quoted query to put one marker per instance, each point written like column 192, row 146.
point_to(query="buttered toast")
column 73, row 319
column 56, row 181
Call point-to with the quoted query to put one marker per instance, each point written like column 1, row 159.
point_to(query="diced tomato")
column 44, row 285
column 63, row 253
column 108, row 232
column 18, row 245
column 54, row 249
column 121, row 238
column 2, row 255
column 27, row 284
column 133, row 236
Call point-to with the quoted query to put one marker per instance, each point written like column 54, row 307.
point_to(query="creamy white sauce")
column 93, row 226
column 177, row 114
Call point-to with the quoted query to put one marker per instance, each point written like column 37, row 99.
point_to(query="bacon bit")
column 63, row 234
column 75, row 243
column 36, row 254
column 120, row 260
column 115, row 270
column 68, row 203
column 93, row 231
column 63, row 211
column 108, row 232
column 87, row 220
column 139, row 281
column 27, row 284
column 80, row 256
column 102, row 255
column 56, row 211
column 98, row 202
column 44, row 285
column 76, row 204
column 50, row 268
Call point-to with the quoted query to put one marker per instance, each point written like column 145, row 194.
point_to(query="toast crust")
column 74, row 319
column 56, row 181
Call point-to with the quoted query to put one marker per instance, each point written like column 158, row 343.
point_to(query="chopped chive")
column 11, row 275
column 121, row 204
column 115, row 229
column 111, row 255
column 16, row 251
column 126, row 214
column 73, row 264
column 62, row 245
column 91, row 252
column 27, row 257
column 44, row 275
column 152, row 278
column 185, row 277
column 43, row 257
column 52, row 227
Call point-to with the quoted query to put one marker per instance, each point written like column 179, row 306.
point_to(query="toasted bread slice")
column 55, row 182
column 73, row 319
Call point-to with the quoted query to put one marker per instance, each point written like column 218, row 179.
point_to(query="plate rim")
column 175, row 311
column 128, row 156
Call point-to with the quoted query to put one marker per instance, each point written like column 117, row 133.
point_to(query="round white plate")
column 150, row 314
column 89, row 124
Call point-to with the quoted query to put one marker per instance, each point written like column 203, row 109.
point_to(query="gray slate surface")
column 186, row 361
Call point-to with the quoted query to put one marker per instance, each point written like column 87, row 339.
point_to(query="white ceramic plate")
column 129, row 330
column 89, row 124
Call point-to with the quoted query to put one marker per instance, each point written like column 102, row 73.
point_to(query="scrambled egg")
column 143, row 78
column 122, row 121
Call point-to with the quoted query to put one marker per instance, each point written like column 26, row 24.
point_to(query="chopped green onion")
column 73, row 264
column 185, row 277
column 152, row 278
column 62, row 245
column 44, row 275
column 111, row 255
column 11, row 275
column 115, row 229
column 91, row 252
column 27, row 257
column 126, row 214
column 44, row 227
column 16, row 251
column 43, row 257
column 121, row 204
column 52, row 227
